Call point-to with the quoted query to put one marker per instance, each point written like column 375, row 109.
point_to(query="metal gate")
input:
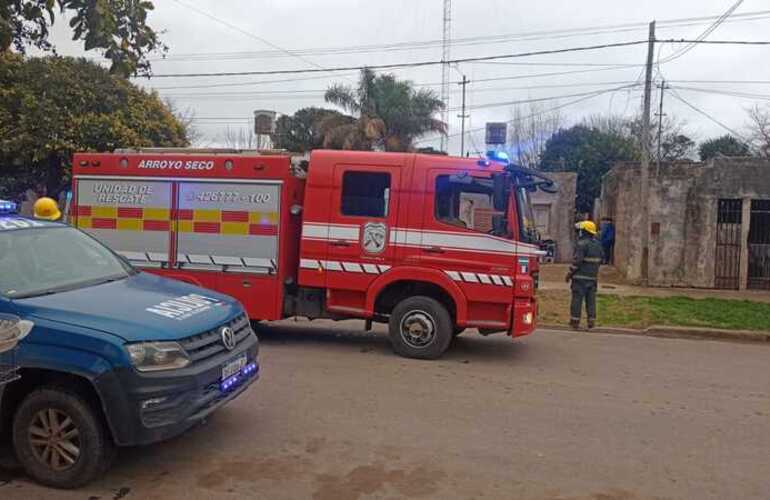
column 759, row 245
column 727, row 267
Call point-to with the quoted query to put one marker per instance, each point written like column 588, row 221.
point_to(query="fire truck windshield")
column 44, row 261
column 526, row 216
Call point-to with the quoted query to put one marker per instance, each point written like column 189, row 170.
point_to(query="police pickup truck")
column 115, row 357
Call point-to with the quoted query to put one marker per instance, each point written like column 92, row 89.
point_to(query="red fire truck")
column 430, row 244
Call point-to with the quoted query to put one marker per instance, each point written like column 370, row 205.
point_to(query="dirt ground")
column 556, row 416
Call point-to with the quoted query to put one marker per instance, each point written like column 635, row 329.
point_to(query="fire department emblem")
column 375, row 237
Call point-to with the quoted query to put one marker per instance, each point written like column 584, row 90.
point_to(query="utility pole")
column 462, row 116
column 645, row 167
column 660, row 116
column 445, row 56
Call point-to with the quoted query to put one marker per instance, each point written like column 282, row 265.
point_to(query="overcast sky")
column 331, row 33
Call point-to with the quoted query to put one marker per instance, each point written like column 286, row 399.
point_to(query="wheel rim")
column 418, row 330
column 55, row 439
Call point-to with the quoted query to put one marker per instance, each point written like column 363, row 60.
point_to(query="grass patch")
column 641, row 312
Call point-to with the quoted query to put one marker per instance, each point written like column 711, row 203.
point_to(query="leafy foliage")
column 305, row 130
column 390, row 114
column 116, row 27
column 51, row 107
column 591, row 153
column 727, row 145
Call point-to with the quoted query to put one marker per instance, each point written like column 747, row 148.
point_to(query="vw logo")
column 228, row 337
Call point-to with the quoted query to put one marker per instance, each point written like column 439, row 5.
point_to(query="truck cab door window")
column 467, row 205
column 365, row 194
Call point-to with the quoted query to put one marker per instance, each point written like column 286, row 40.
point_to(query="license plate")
column 233, row 367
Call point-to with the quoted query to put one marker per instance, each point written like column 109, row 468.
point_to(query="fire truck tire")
column 421, row 328
column 73, row 430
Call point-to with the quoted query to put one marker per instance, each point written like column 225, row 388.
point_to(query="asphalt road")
column 563, row 416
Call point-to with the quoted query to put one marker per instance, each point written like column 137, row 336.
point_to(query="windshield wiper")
column 70, row 287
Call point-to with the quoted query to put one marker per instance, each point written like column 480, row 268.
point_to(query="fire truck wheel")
column 421, row 328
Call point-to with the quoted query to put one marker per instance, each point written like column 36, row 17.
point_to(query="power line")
column 248, row 34
column 539, row 112
column 469, row 41
column 679, row 53
column 455, row 61
column 541, row 99
column 676, row 95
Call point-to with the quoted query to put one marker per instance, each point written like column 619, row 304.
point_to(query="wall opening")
column 759, row 245
column 727, row 265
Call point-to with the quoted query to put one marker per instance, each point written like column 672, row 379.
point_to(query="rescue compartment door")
column 132, row 217
column 364, row 211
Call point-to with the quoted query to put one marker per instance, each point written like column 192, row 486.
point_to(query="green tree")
column 305, row 130
column 390, row 113
column 591, row 153
column 726, row 145
column 116, row 27
column 52, row 107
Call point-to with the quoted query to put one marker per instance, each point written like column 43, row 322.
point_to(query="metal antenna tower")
column 445, row 57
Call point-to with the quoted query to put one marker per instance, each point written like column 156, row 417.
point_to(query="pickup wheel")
column 420, row 327
column 60, row 439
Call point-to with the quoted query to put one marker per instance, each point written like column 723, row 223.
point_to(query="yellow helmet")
column 46, row 208
column 587, row 226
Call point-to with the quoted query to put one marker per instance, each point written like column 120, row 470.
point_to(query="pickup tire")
column 82, row 447
column 421, row 328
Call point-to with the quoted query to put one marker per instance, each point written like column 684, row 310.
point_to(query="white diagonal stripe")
column 383, row 268
column 496, row 279
column 371, row 269
column 484, row 278
column 470, row 277
column 507, row 281
column 454, row 275
column 352, row 267
column 308, row 264
column 331, row 265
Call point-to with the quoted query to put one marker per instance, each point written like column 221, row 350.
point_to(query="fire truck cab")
column 430, row 244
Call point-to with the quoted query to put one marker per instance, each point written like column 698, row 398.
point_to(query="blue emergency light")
column 8, row 207
column 500, row 156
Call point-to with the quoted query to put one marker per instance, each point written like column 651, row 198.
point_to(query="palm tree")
column 390, row 114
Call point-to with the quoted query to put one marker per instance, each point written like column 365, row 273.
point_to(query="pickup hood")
column 142, row 307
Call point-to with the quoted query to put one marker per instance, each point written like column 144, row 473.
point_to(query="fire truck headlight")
column 527, row 318
column 157, row 356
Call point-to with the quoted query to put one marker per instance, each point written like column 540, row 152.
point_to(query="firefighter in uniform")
column 584, row 274
column 46, row 209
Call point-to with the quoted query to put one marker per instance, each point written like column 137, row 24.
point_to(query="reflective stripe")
column 593, row 260
column 581, row 277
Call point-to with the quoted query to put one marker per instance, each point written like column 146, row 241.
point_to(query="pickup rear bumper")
column 144, row 408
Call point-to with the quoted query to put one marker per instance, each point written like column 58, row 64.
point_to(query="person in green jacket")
column 584, row 274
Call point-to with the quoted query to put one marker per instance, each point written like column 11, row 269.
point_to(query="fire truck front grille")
column 209, row 344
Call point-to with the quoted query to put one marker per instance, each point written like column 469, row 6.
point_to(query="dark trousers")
column 608, row 250
column 583, row 290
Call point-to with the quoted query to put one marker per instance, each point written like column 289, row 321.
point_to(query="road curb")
column 679, row 333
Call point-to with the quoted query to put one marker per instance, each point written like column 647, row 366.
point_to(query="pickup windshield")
column 44, row 261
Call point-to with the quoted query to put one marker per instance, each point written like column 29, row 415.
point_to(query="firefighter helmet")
column 587, row 226
column 46, row 208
